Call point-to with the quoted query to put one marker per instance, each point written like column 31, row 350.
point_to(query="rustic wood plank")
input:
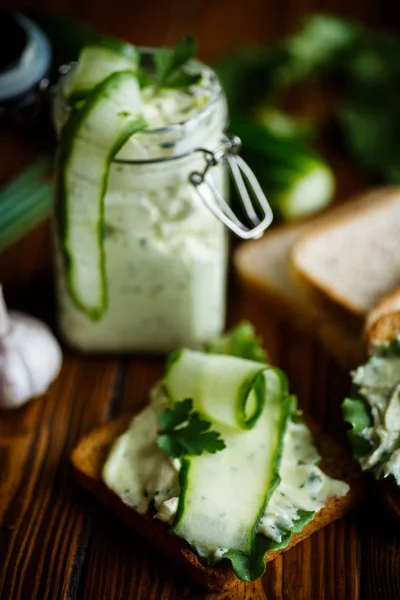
column 380, row 550
column 41, row 513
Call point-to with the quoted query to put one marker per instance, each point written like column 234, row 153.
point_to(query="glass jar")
column 165, row 252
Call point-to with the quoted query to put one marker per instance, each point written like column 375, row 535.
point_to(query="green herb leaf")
column 185, row 433
column 319, row 46
column 182, row 80
column 355, row 412
column 240, row 341
column 249, row 567
column 169, row 61
column 390, row 349
column 143, row 79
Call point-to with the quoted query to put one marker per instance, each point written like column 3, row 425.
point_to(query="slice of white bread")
column 264, row 265
column 88, row 459
column 347, row 264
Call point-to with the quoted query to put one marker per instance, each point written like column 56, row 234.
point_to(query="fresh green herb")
column 262, row 74
column 390, row 349
column 283, row 126
column 361, row 66
column 320, row 48
column 240, row 341
column 356, row 413
column 185, row 433
column 170, row 61
column 296, row 181
column 370, row 111
column 249, row 567
column 182, row 80
column 143, row 79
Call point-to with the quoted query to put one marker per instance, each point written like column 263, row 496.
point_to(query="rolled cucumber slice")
column 224, row 495
column 226, row 389
column 90, row 139
column 98, row 60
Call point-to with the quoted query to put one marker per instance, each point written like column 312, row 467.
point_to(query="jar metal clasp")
column 256, row 208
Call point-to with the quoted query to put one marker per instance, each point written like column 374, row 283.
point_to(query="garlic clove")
column 30, row 357
column 16, row 382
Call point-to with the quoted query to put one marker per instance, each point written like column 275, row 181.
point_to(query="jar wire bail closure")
column 258, row 214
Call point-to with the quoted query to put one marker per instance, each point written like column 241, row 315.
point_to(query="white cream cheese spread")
column 376, row 398
column 141, row 474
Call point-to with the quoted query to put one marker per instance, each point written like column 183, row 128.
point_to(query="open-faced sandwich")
column 219, row 470
column 373, row 408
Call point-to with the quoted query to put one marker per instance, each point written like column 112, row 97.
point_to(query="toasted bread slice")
column 383, row 321
column 264, row 265
column 88, row 459
column 348, row 264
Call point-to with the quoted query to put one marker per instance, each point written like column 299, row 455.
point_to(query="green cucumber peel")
column 240, row 341
column 249, row 567
column 183, row 486
column 277, row 395
column 69, row 136
column 120, row 47
column 98, row 59
column 184, row 378
column 258, row 384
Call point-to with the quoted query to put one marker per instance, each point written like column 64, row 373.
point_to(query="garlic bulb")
column 30, row 357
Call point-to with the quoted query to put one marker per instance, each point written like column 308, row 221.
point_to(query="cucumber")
column 296, row 181
column 222, row 499
column 234, row 381
column 90, row 139
column 98, row 60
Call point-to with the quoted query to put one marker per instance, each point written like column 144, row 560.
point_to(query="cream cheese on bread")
column 374, row 412
column 141, row 475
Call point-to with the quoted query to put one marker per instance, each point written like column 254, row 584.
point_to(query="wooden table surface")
column 57, row 542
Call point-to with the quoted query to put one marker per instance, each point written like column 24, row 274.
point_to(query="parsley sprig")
column 170, row 61
column 184, row 432
column 169, row 66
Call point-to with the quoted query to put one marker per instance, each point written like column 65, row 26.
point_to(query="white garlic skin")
column 30, row 359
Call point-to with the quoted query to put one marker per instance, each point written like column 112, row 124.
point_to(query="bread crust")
column 90, row 454
column 329, row 298
column 345, row 347
column 330, row 302
column 383, row 321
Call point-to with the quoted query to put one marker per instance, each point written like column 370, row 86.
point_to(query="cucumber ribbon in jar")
column 105, row 111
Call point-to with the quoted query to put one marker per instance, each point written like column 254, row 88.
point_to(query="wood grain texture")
column 41, row 515
column 56, row 542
